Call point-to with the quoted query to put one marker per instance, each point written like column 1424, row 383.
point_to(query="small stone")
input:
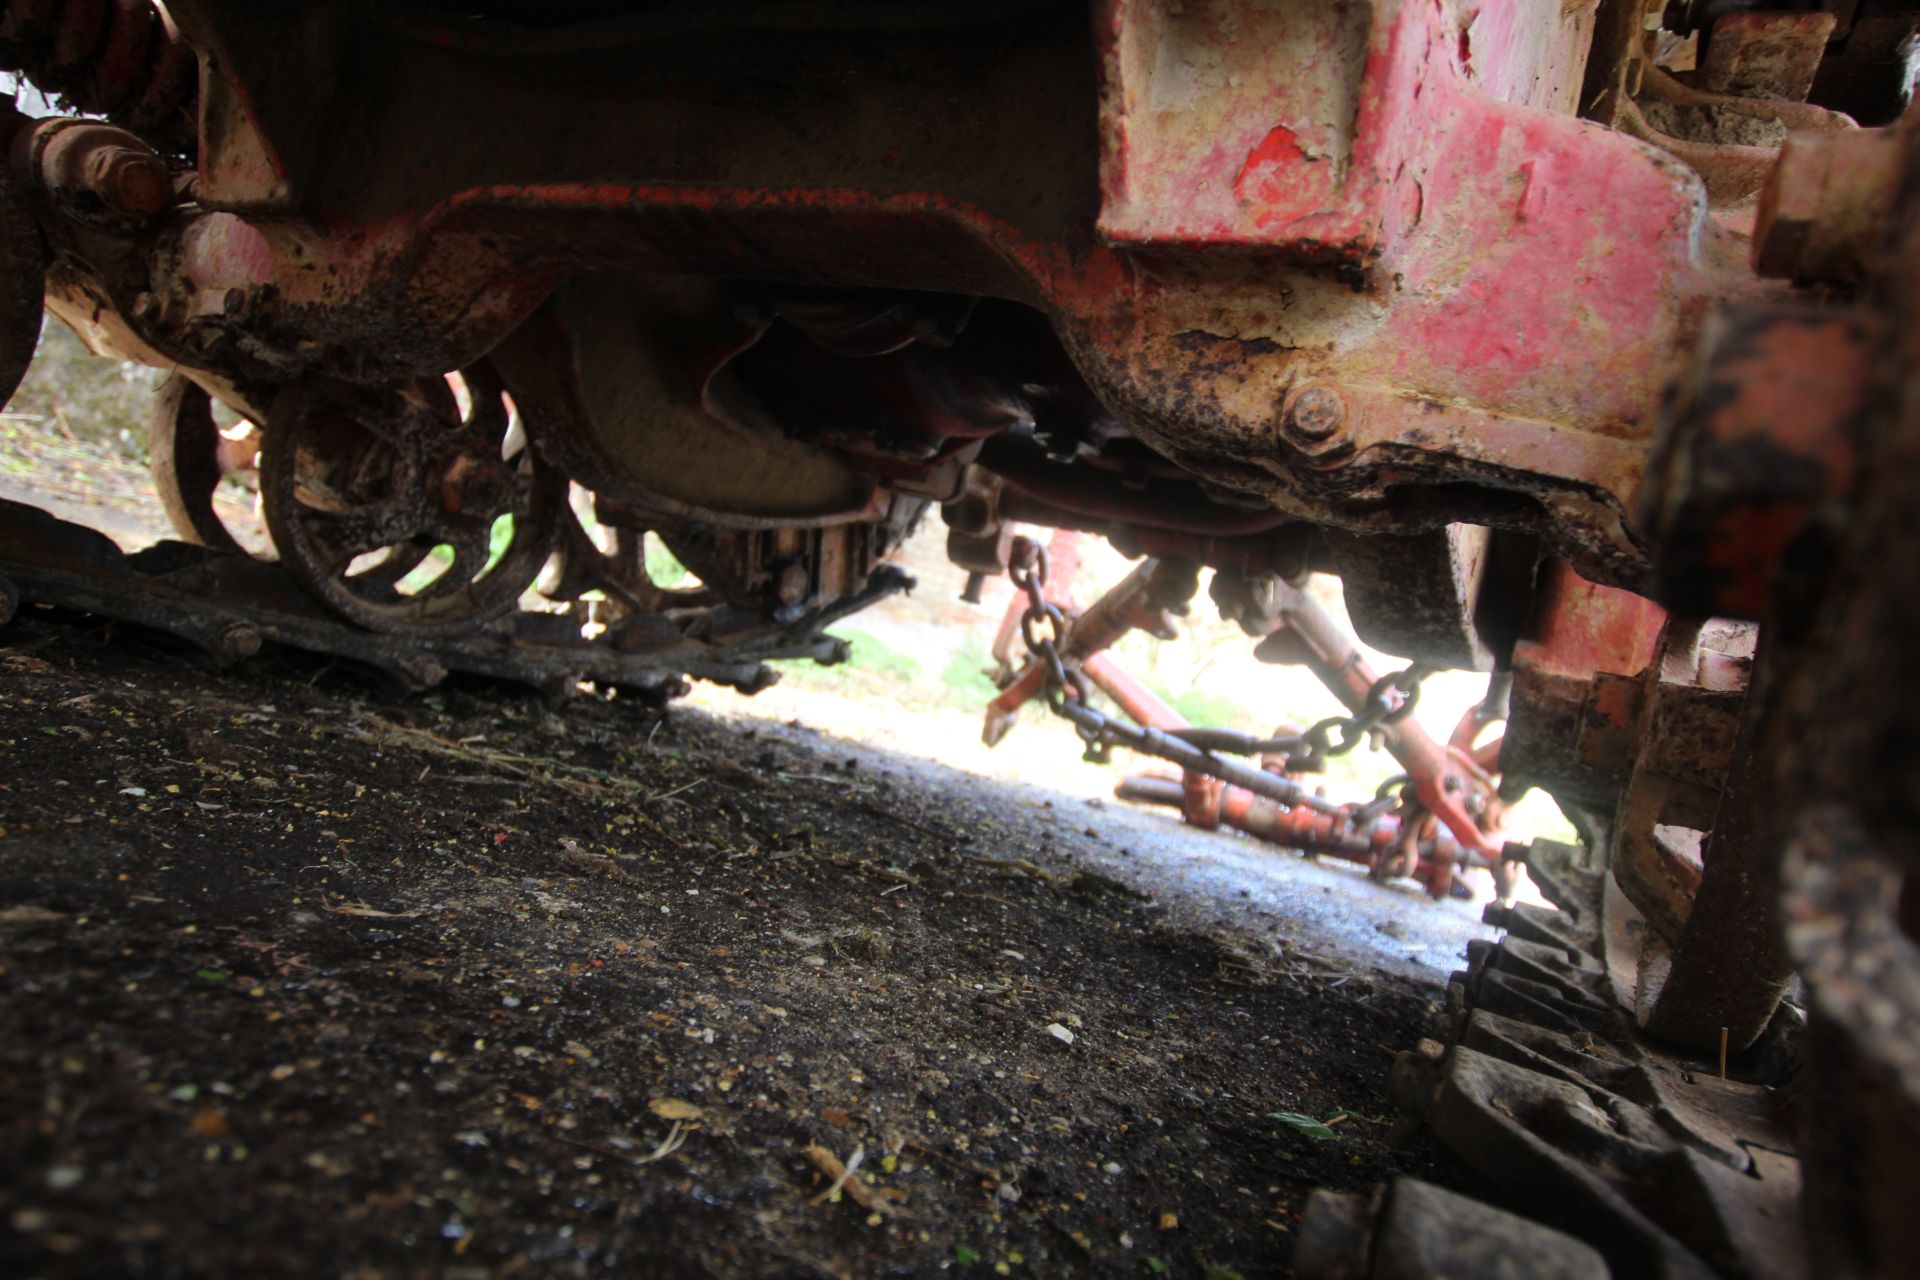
column 29, row 914
column 210, row 1122
column 1059, row 1033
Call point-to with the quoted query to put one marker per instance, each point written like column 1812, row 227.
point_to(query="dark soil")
column 298, row 982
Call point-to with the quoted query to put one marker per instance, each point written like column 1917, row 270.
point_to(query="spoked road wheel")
column 403, row 510
column 190, row 457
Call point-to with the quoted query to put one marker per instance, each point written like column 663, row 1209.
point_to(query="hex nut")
column 1316, row 414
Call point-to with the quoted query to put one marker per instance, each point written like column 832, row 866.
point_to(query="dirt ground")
column 297, row 982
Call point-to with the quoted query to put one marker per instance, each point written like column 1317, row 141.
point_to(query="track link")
column 1631, row 1158
column 227, row 606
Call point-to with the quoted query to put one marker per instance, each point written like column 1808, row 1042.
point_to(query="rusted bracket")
column 1687, row 710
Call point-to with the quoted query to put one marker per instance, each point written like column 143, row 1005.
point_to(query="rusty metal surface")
column 1686, row 714
column 1538, row 1081
column 1844, row 837
column 1141, row 601
column 1634, row 717
column 226, row 606
column 1721, row 980
column 1843, row 896
column 189, row 458
column 1205, row 279
column 1445, row 786
column 624, row 382
column 1759, row 54
column 1442, row 780
column 1868, row 70
column 1409, row 1228
column 1383, row 358
column 1826, row 207
column 1731, row 140
column 347, row 474
column 1574, row 670
column 123, row 59
column 99, row 172
column 1763, row 438
column 1420, row 596
column 1377, row 842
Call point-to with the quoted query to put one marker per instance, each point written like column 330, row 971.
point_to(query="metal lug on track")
column 1411, row 1228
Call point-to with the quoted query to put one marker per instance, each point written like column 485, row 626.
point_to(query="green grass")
column 954, row 678
column 881, row 659
column 964, row 678
column 1200, row 706
column 874, row 667
column 663, row 567
column 440, row 559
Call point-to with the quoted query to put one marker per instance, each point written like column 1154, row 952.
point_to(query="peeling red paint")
column 1514, row 283
column 1280, row 177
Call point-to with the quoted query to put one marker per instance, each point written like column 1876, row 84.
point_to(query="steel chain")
column 1027, row 567
column 1391, row 700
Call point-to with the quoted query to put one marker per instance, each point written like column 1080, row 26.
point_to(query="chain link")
column 1027, row 567
column 1390, row 700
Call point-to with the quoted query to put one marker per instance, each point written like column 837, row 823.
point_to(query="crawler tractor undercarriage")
column 1577, row 339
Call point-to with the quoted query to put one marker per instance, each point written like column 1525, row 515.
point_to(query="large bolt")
column 475, row 486
column 235, row 641
column 417, row 671
column 1316, row 414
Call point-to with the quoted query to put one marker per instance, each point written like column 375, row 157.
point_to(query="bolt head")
column 137, row 185
column 238, row 640
column 792, row 584
column 1316, row 414
column 475, row 486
